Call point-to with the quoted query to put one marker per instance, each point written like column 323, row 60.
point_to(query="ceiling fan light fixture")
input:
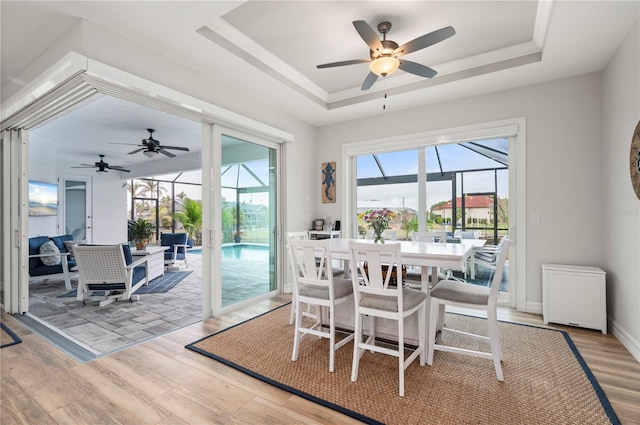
column 384, row 65
column 150, row 154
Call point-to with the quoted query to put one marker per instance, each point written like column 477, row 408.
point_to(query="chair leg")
column 296, row 336
column 433, row 324
column 357, row 338
column 422, row 318
column 494, row 341
column 292, row 315
column 332, row 339
column 401, row 356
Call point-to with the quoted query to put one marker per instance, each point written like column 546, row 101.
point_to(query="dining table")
column 429, row 256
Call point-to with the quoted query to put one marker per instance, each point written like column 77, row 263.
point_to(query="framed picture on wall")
column 43, row 199
column 328, row 182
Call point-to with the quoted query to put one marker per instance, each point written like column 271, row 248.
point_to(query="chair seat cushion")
column 341, row 289
column 467, row 293
column 168, row 255
column 410, row 298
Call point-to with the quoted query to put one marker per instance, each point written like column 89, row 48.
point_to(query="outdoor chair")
column 177, row 252
column 109, row 269
column 374, row 297
column 486, row 256
column 471, row 296
column 314, row 284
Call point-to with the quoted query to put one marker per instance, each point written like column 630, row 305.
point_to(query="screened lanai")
column 466, row 186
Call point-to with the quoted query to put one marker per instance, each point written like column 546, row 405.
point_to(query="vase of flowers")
column 379, row 221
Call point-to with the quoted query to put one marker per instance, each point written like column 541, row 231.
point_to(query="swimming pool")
column 241, row 251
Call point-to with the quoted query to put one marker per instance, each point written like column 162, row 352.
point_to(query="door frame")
column 62, row 207
column 75, row 78
column 514, row 129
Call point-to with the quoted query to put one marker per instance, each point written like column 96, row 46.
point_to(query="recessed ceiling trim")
column 448, row 78
column 228, row 37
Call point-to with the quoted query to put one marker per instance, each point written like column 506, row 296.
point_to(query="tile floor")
column 120, row 324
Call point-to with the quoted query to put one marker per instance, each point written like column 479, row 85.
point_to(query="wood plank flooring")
column 160, row 382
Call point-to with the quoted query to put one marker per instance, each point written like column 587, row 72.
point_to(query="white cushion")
column 69, row 245
column 50, row 248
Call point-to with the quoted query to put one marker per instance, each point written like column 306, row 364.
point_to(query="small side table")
column 324, row 234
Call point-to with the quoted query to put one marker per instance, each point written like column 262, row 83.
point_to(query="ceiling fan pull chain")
column 384, row 104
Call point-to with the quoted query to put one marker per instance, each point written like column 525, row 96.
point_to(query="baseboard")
column 625, row 339
column 535, row 308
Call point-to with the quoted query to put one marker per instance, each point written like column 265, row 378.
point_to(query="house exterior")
column 478, row 209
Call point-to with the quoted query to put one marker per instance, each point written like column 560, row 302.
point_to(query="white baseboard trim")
column 535, row 308
column 625, row 339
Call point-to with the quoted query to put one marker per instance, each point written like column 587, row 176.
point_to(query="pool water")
column 240, row 252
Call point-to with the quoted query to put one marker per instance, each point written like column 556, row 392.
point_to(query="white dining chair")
column 374, row 297
column 471, row 296
column 290, row 236
column 315, row 285
column 436, row 237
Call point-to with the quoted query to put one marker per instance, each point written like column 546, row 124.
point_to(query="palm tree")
column 152, row 188
column 191, row 217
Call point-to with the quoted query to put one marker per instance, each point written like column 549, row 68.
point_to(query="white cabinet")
column 155, row 263
column 575, row 296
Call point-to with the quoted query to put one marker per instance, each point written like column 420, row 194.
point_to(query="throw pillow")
column 69, row 245
column 50, row 248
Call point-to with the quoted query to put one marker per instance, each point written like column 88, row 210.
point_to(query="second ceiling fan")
column 151, row 147
column 384, row 53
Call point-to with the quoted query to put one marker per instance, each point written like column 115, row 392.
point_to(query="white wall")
column 563, row 162
column 620, row 212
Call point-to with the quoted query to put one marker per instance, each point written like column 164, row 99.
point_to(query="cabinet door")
column 575, row 298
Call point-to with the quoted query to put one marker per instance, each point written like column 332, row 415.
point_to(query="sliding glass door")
column 249, row 215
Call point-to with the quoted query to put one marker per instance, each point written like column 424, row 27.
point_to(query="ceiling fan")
column 102, row 166
column 151, row 147
column 384, row 53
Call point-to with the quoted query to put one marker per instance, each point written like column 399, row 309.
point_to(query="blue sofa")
column 37, row 268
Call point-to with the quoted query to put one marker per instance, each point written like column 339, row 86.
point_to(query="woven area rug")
column 546, row 379
column 156, row 286
column 8, row 337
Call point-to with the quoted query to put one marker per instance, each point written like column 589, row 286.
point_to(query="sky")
column 452, row 157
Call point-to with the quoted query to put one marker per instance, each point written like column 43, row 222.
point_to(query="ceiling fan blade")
column 118, row 168
column 169, row 154
column 343, row 63
column 368, row 81
column 88, row 165
column 178, row 148
column 368, row 35
column 425, row 41
column 417, row 69
column 136, row 151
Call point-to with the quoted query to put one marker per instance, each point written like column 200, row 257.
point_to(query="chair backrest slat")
column 312, row 259
column 501, row 258
column 369, row 260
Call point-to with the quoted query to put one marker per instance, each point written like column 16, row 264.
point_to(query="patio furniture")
column 486, row 256
column 111, row 270
column 375, row 298
column 314, row 284
column 48, row 256
column 467, row 295
column 177, row 252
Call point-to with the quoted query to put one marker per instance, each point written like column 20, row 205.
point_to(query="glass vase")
column 378, row 234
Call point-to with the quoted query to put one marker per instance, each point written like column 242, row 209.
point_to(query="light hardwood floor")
column 161, row 382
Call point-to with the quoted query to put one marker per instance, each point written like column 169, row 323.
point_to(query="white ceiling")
column 274, row 47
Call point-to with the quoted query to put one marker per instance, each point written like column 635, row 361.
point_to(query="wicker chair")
column 109, row 269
